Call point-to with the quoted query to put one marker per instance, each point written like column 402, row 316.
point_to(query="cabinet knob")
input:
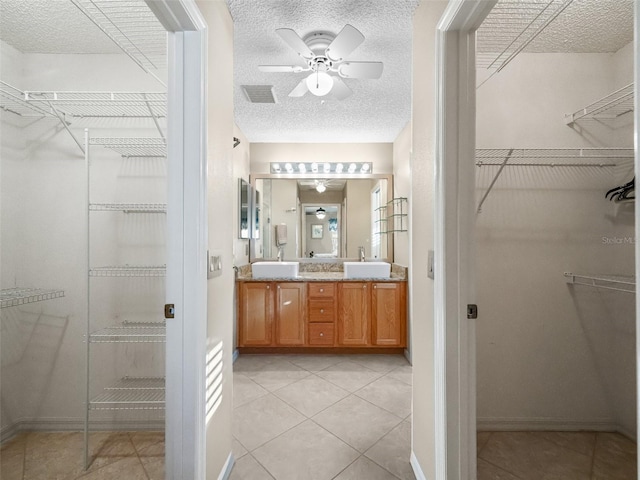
column 375, row 286
column 268, row 287
column 321, row 334
column 322, row 310
column 364, row 286
column 321, row 290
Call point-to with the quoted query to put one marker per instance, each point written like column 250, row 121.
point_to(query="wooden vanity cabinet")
column 388, row 314
column 290, row 313
column 354, row 299
column 255, row 314
column 321, row 314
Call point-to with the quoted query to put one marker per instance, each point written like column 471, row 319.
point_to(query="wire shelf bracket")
column 609, row 107
column 615, row 283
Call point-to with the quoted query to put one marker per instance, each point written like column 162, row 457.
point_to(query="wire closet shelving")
column 510, row 27
column 131, row 332
column 501, row 158
column 618, row 283
column 14, row 297
column 133, row 27
column 131, row 393
column 608, row 107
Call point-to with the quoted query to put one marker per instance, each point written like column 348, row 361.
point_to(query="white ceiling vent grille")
column 259, row 93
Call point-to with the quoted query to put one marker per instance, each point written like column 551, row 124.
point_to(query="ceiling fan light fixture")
column 321, row 213
column 321, row 187
column 319, row 83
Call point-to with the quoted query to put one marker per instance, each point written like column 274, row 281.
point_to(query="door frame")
column 636, row 81
column 186, row 284
column 454, row 286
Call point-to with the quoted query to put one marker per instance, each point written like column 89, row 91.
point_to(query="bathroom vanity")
column 321, row 309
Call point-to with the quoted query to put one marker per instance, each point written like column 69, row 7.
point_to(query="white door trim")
column 454, row 227
column 636, row 80
column 185, row 452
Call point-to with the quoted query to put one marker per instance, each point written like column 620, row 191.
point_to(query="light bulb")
column 276, row 167
column 352, row 168
column 288, row 167
column 314, row 167
column 339, row 168
column 327, row 168
column 302, row 168
column 319, row 83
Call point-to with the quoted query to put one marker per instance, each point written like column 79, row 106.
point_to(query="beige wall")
column 422, row 234
column 222, row 185
column 381, row 154
column 547, row 353
column 358, row 195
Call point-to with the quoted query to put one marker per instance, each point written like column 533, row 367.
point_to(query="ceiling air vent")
column 259, row 93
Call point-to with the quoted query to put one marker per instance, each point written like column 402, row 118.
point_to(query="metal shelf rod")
column 495, row 179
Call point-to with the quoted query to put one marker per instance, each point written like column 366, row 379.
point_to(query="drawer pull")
column 321, row 290
column 322, row 310
column 321, row 334
column 288, row 302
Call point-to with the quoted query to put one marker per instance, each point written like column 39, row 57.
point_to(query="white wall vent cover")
column 259, row 93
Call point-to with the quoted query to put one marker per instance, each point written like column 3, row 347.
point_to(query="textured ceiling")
column 588, row 26
column 50, row 26
column 377, row 110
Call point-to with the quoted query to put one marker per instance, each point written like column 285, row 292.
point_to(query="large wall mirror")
column 330, row 221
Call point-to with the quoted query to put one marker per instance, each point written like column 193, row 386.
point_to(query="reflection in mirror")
column 243, row 208
column 353, row 217
column 321, row 237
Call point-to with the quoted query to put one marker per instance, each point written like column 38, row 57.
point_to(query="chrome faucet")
column 361, row 253
column 280, row 253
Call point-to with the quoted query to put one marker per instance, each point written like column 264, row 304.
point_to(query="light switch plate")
column 214, row 264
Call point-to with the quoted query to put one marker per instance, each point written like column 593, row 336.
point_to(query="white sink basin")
column 367, row 270
column 275, row 269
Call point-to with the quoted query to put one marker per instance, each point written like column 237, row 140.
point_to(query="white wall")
column 421, row 231
column 550, row 355
column 44, row 235
column 222, row 189
column 381, row 154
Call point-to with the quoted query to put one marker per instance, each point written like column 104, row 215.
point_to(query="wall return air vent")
column 259, row 93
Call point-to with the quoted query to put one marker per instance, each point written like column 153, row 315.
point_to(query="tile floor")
column 322, row 417
column 308, row 417
column 58, row 456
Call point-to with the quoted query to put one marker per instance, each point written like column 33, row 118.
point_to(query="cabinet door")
column 256, row 313
column 290, row 313
column 353, row 315
column 388, row 315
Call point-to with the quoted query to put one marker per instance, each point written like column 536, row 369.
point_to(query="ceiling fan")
column 321, row 185
column 323, row 54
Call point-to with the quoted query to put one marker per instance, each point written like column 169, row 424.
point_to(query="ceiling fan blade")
column 300, row 89
column 295, row 42
column 282, row 68
column 340, row 89
column 346, row 42
column 372, row 70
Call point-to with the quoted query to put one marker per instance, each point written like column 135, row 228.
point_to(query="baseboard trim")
column 228, row 466
column 546, row 424
column 417, row 469
column 75, row 425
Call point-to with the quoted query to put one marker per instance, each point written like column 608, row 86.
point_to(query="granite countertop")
column 319, row 276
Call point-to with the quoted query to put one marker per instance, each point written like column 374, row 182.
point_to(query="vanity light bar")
column 324, row 168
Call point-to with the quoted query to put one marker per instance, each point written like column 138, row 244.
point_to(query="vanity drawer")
column 327, row 290
column 321, row 333
column 321, row 310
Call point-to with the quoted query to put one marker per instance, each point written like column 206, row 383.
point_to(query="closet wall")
column 44, row 234
column 552, row 355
